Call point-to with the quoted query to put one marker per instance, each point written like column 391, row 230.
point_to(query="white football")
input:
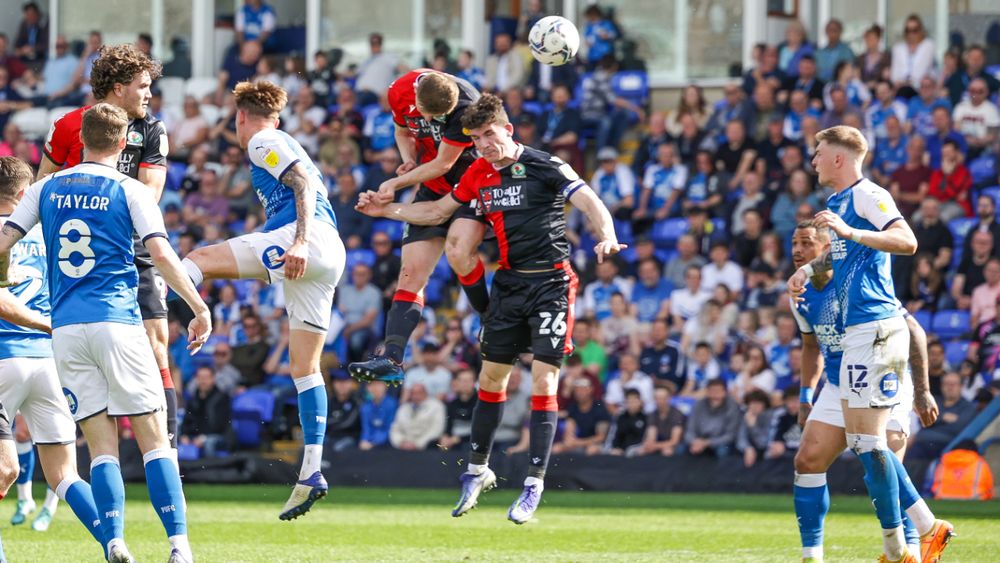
column 554, row 40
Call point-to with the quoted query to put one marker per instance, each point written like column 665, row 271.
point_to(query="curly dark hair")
column 487, row 110
column 120, row 64
column 261, row 98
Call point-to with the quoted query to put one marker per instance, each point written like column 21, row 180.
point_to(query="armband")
column 806, row 395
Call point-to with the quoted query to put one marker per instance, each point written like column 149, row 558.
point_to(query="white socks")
column 311, row 460
column 24, row 492
column 894, row 543
column 180, row 543
column 815, row 551
column 51, row 501
column 922, row 517
column 476, row 469
column 528, row 481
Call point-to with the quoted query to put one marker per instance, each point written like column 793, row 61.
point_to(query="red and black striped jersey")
column 443, row 129
column 525, row 203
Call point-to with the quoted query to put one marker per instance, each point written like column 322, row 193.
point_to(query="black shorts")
column 529, row 313
column 414, row 233
column 5, row 433
column 152, row 293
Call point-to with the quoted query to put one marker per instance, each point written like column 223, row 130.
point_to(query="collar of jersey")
column 517, row 157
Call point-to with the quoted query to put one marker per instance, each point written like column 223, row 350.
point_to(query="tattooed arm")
column 923, row 401
column 820, row 265
column 8, row 238
column 304, row 187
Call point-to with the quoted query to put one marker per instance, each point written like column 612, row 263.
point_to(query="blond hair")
column 437, row 93
column 15, row 175
column 104, row 126
column 846, row 137
column 260, row 98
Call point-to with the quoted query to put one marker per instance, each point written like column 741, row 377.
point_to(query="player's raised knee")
column 807, row 460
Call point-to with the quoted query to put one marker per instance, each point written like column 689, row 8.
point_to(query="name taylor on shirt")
column 81, row 201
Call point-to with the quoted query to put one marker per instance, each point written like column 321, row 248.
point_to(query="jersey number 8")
column 69, row 245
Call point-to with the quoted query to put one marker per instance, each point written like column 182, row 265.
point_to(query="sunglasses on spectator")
column 912, row 30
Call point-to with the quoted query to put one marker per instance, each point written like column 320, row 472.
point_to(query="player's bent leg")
column 8, row 466
column 542, row 430
column 163, row 480
column 26, row 460
column 107, row 485
column 478, row 477
column 158, row 335
column 59, row 464
column 821, row 444
column 461, row 247
column 214, row 262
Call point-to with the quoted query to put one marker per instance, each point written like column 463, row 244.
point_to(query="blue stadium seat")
column 624, row 231
column 666, row 232
column 993, row 192
column 359, row 256
column 719, row 224
column 950, row 323
column 955, row 351
column 434, row 292
column 983, row 169
column 628, row 255
column 175, row 175
column 633, row 85
column 960, row 227
column 392, row 228
column 251, row 411
column 534, row 108
column 188, row 452
column 924, row 319
column 442, row 270
column 994, row 70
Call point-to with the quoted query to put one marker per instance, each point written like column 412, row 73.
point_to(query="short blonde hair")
column 104, row 126
column 260, row 98
column 847, row 137
column 437, row 93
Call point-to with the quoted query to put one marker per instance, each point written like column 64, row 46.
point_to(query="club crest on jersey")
column 517, row 170
column 71, row 400
column 271, row 256
column 135, row 138
column 843, row 208
column 889, row 385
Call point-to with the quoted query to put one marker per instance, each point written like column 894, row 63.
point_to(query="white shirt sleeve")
column 648, row 178
column 268, row 150
column 875, row 205
column 26, row 215
column 680, row 177
column 146, row 217
column 626, row 180
column 804, row 326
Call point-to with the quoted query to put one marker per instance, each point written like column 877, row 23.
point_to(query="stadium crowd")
column 685, row 344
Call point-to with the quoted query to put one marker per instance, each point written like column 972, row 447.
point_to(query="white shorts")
column 873, row 369
column 107, row 366
column 31, row 385
column 309, row 299
column 829, row 410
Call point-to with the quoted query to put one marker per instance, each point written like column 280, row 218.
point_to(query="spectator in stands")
column 10, row 103
column 733, row 106
column 756, row 373
column 765, row 109
column 419, row 421
column 956, row 413
column 982, row 305
column 91, row 51
column 835, row 52
column 207, row 415
column 707, row 326
column 662, row 186
column 322, row 77
column 378, row 131
column 596, row 302
column 458, row 352
column 190, row 132
column 651, row 295
column 377, row 414
column 890, row 153
column 977, row 118
column 303, row 120
column 925, row 285
column 655, row 135
column 804, row 81
column 237, row 184
column 913, row 57
column 838, row 109
column 360, row 303
column 343, row 421
column 763, row 290
column 765, row 71
column 208, row 204
column 238, row 67
column 8, row 61
column 467, row 69
column 951, row 183
column 32, row 41
column 692, row 102
column 690, row 140
column 754, row 432
column 785, row 432
column 737, row 155
column 144, row 43
column 702, row 368
column 356, row 226
column 943, row 131
column 594, row 358
column 687, row 256
column 631, row 427
column 713, row 424
column 975, row 68
column 559, row 126
column 600, row 108
column 293, row 79
column 662, row 358
column 779, row 352
column 629, row 377
column 58, row 76
column 704, row 188
column 573, row 370
column 614, row 183
column 256, row 21
column 985, row 344
column 430, row 373
column 376, row 72
column 225, row 376
column 512, row 435
column 347, row 110
column 459, row 408
column 265, row 71
column 620, row 330
column 770, row 148
column 599, row 35
column 884, row 106
column 908, row 183
column 799, row 191
column 874, row 61
column 933, row 239
column 587, row 422
column 384, row 167
column 795, row 46
column 746, row 245
column 969, row 274
column 937, row 366
column 505, row 68
column 248, row 357
column 986, row 208
column 686, row 301
column 752, row 198
column 721, row 269
column 666, row 426
column 385, row 270
column 920, row 110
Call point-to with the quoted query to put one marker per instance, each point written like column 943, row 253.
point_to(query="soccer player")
column 823, row 439
column 300, row 245
column 88, row 214
column 26, row 459
column 8, row 460
column 427, row 107
column 28, row 380
column 865, row 229
column 122, row 76
column 522, row 193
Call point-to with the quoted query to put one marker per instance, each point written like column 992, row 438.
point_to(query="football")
column 554, row 40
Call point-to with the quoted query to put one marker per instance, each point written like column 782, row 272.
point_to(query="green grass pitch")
column 240, row 523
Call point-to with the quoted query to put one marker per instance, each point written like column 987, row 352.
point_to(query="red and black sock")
column 474, row 284
column 171, row 397
column 485, row 420
column 542, row 428
column 403, row 317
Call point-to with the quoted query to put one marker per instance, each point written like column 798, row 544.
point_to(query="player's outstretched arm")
column 587, row 201
column 895, row 238
column 447, row 156
column 13, row 311
column 173, row 272
column 423, row 213
column 46, row 167
column 923, row 401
